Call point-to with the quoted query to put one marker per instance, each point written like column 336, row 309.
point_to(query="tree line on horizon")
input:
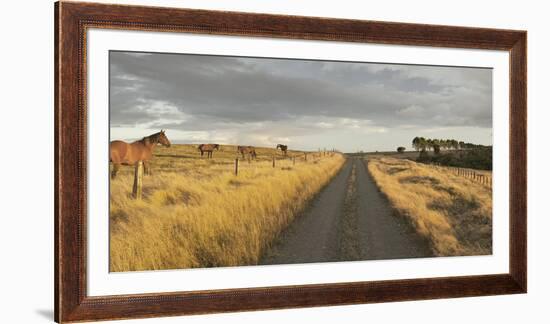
column 428, row 144
column 463, row 155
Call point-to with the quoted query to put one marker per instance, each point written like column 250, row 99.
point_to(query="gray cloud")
column 268, row 99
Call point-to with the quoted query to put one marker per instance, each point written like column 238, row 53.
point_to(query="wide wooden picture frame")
column 73, row 20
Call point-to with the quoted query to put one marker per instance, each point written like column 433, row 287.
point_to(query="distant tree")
column 429, row 144
column 419, row 143
column 416, row 143
column 423, row 144
column 400, row 149
column 436, row 148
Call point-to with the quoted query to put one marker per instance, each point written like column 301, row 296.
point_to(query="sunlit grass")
column 454, row 212
column 196, row 212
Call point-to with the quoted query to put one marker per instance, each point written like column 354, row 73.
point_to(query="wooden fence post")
column 236, row 166
column 138, row 180
column 273, row 160
column 305, row 156
column 293, row 160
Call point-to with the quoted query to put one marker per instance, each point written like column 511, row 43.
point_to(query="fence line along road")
column 466, row 173
column 138, row 172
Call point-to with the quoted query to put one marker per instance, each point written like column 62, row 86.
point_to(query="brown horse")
column 283, row 148
column 209, row 149
column 250, row 150
column 128, row 154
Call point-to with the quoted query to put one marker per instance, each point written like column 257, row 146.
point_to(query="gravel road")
column 348, row 220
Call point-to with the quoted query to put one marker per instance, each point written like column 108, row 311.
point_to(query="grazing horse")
column 208, row 148
column 247, row 150
column 129, row 153
column 283, row 148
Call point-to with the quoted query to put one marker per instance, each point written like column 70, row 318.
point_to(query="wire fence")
column 474, row 175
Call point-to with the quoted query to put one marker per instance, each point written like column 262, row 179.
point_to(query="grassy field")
column 196, row 213
column 454, row 212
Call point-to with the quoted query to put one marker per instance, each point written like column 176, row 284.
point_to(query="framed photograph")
column 211, row 161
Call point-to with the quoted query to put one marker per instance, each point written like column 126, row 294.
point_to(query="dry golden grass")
column 454, row 212
column 196, row 213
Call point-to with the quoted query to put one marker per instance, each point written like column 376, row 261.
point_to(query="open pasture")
column 195, row 212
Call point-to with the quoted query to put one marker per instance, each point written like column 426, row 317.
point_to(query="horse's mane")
column 154, row 138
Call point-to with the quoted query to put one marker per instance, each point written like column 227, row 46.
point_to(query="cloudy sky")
column 304, row 104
